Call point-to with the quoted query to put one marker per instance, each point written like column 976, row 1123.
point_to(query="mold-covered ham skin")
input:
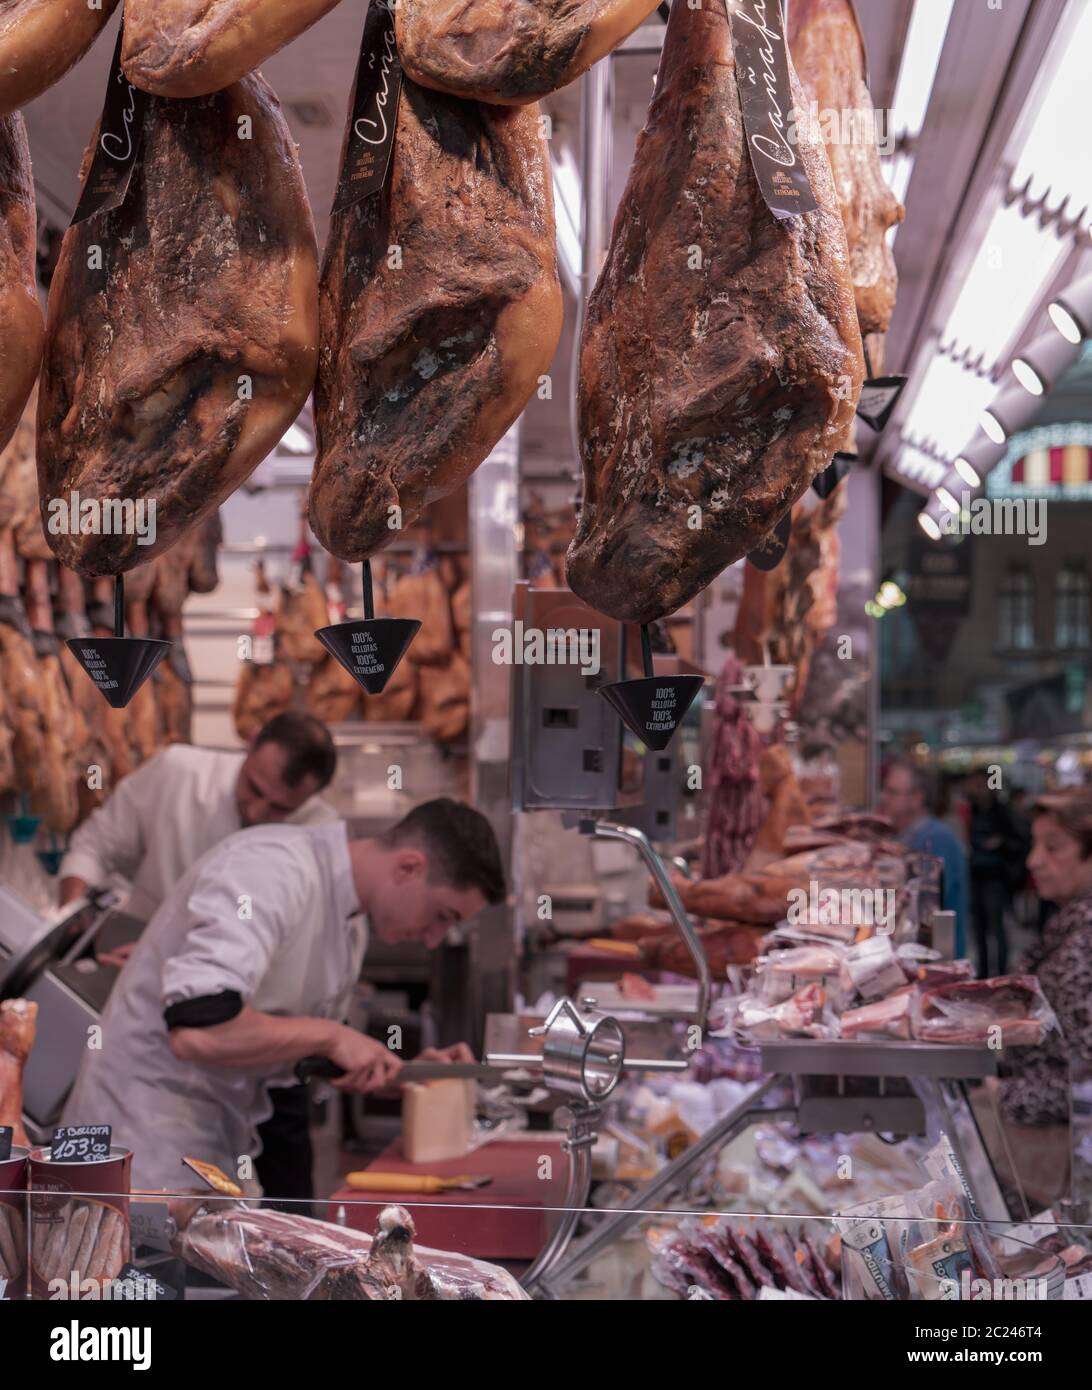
column 720, row 361
column 178, row 355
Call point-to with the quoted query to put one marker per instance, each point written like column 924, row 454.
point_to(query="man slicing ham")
column 247, row 968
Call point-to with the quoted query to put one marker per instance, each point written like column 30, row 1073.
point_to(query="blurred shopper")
column 1035, row 1093
column 998, row 854
column 905, row 802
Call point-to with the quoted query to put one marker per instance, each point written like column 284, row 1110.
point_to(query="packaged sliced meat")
column 189, row 48
column 803, row 1015
column 509, row 51
column 271, row 1255
column 40, row 40
column 942, row 972
column 720, row 361
column 873, row 968
column 1009, row 1010
column 828, row 52
column 182, row 333
column 886, row 1018
column 22, row 330
column 441, row 310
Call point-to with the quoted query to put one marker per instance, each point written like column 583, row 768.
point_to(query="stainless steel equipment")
column 794, row 1068
column 569, row 749
column 38, row 961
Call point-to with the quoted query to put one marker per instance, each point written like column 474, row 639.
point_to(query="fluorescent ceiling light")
column 1015, row 261
column 1012, row 410
column 1044, row 362
column 929, row 526
column 1055, row 153
column 920, row 59
column 917, row 465
column 967, row 472
column 947, row 406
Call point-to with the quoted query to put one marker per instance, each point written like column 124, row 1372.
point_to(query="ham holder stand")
column 369, row 648
column 118, row 665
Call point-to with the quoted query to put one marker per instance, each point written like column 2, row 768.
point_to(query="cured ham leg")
column 188, row 48
column 828, row 52
column 176, row 361
column 40, row 40
column 428, row 356
column 18, row 1025
column 509, row 51
column 720, row 361
column 21, row 327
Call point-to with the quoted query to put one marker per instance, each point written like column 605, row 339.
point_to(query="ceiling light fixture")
column 1010, row 411
column 1071, row 311
column 967, row 472
column 946, row 500
column 929, row 526
column 1044, row 362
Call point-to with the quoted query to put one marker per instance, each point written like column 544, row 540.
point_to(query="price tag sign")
column 7, row 1134
column 80, row 1143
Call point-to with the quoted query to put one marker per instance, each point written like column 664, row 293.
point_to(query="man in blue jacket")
column 904, row 800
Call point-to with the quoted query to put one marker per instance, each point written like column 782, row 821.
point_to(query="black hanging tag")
column 121, row 130
column 371, row 648
column 7, row 1134
column 118, row 665
column 768, row 555
column 879, row 397
column 765, row 93
column 652, row 707
column 373, row 112
column 823, row 484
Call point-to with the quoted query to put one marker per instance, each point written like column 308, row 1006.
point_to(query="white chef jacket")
column 161, row 819
column 298, row 952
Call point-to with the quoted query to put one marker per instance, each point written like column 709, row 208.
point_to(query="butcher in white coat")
column 163, row 817
column 246, row 968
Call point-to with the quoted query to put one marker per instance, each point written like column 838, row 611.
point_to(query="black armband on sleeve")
column 205, row 1011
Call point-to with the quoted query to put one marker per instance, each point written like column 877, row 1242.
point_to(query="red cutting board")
column 508, row 1220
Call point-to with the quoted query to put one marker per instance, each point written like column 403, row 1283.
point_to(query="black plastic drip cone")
column 824, row 483
column 652, row 707
column 369, row 648
column 769, row 554
column 118, row 665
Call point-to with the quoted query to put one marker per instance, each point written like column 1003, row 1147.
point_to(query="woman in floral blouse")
column 1036, row 1089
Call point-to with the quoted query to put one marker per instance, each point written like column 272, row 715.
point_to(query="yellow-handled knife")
column 368, row 1180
